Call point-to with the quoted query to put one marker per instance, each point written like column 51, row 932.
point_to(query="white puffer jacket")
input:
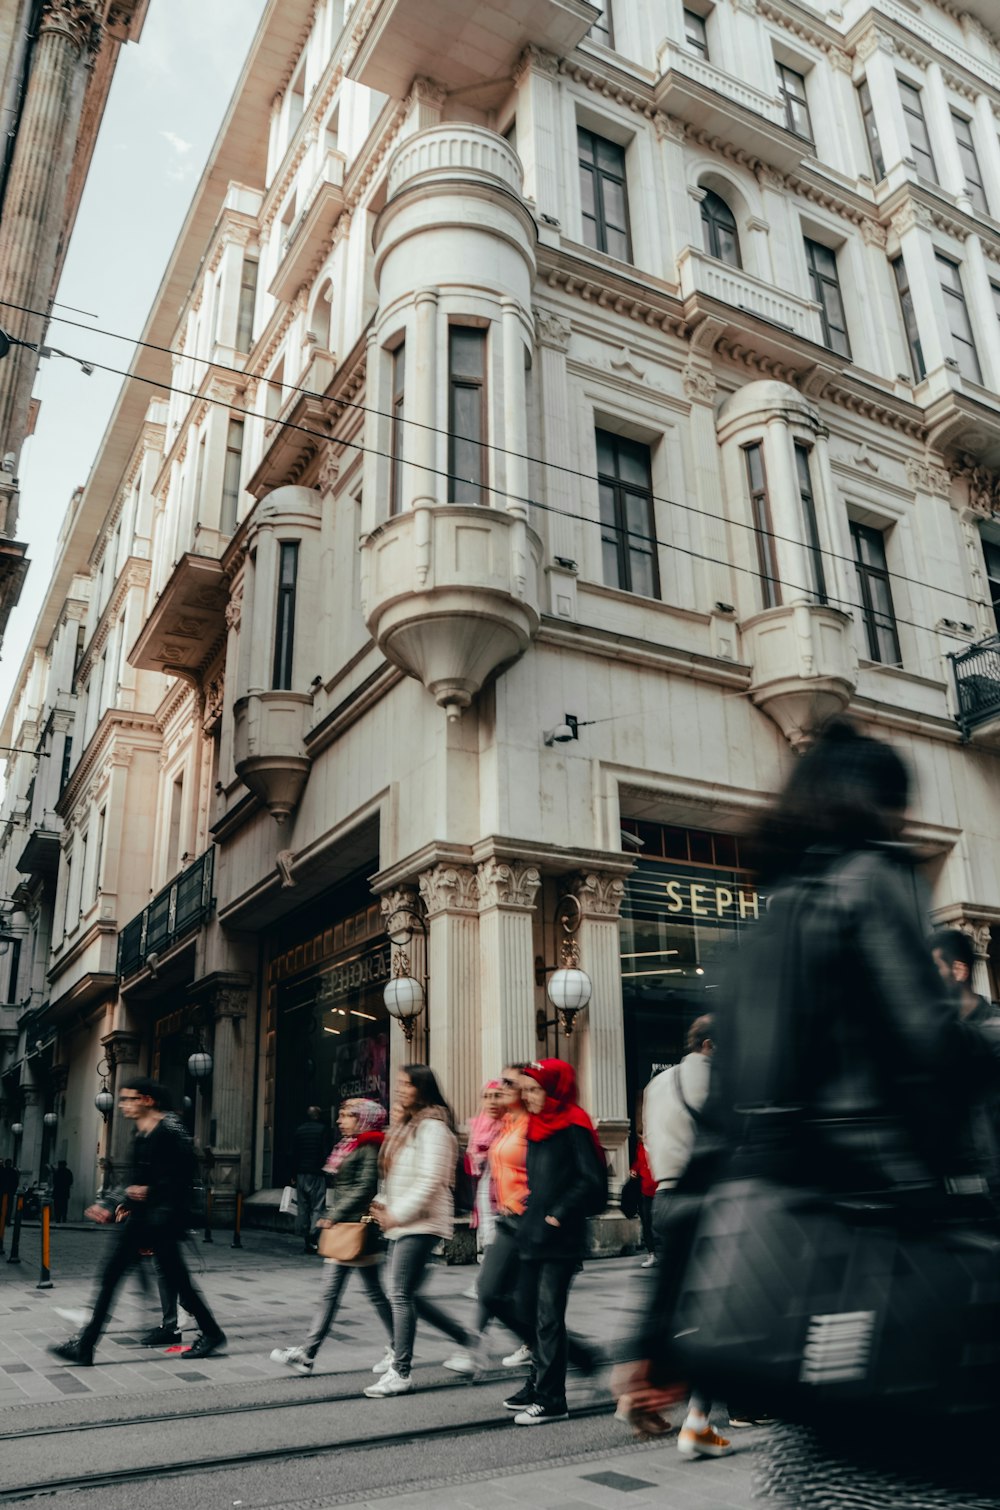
column 418, row 1189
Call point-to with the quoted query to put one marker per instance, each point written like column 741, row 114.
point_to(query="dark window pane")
column 701, row 847
column 695, row 33
column 909, row 318
column 871, row 129
column 625, row 491
column 875, row 594
column 467, row 351
column 675, row 842
column 604, row 201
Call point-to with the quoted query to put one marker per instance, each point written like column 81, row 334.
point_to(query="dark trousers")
column 408, row 1260
column 60, row 1204
column 335, row 1277
column 497, row 1284
column 132, row 1238
column 646, row 1218
column 543, row 1291
column 311, row 1192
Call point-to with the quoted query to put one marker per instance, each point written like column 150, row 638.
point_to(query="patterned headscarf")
column 371, row 1117
column 484, row 1129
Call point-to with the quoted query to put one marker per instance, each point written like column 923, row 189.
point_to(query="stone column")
column 877, row 51
column 982, row 310
column 35, row 204
column 122, row 1052
column 226, row 998
column 507, row 890
column 601, row 1044
column 424, row 436
column 559, row 446
column 397, row 906
column 453, row 1014
column 29, row 1154
column 980, row 934
column 941, row 127
column 912, row 224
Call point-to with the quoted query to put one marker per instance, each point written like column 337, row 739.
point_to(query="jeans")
column 335, row 1277
column 311, row 1191
column 133, row 1237
column 408, row 1260
column 543, row 1291
column 497, row 1287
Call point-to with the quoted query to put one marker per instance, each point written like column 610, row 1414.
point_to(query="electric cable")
column 347, row 404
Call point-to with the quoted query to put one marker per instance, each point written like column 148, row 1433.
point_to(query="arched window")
column 718, row 229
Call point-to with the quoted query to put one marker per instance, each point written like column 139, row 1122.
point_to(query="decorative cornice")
column 141, row 729
column 75, row 19
column 926, row 476
column 135, row 573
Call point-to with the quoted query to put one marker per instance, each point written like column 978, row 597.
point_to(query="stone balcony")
column 962, row 417
column 700, row 94
column 311, row 229
column 460, row 43
column 977, row 687
column 187, row 623
column 738, row 307
column 450, row 595
column 268, row 747
column 805, row 667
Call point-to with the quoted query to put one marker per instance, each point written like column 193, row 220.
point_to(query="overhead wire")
column 414, row 424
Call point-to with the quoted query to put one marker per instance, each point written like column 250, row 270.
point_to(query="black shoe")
column 160, row 1336
column 524, row 1397
column 204, row 1344
column 74, row 1351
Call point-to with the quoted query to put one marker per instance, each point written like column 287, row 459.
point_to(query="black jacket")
column 164, row 1160
column 565, row 1180
column 310, row 1145
column 354, row 1185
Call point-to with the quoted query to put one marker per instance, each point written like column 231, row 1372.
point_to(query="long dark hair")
column 846, row 792
column 424, row 1080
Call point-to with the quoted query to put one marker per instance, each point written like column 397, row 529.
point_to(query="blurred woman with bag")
column 353, row 1165
column 484, row 1128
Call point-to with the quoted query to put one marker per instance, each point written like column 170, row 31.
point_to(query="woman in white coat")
column 416, row 1211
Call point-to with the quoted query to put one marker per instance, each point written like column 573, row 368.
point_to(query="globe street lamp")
column 404, row 995
column 569, row 988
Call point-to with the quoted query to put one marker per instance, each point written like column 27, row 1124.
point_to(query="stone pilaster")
column 122, row 1052
column 980, row 934
column 507, row 890
column 398, row 906
column 601, row 1044
column 226, row 999
column 451, row 898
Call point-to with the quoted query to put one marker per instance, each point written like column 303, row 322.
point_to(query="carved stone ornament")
column 234, row 611
column 984, row 488
column 426, row 92
column 874, row 41
column 231, row 1002
column 840, row 62
column 911, row 214
column 624, row 362
column 668, row 128
column 872, row 233
column 599, row 895
column 507, row 883
column 770, row 178
column 979, row 933
column 449, row 888
column 215, row 696
column 863, row 457
column 283, row 862
column 329, row 471
column 925, row 477
column 535, row 60
column 553, row 330
column 76, row 19
column 700, row 386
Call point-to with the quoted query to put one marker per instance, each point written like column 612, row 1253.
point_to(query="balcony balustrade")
column 309, row 232
column 181, row 906
column 704, row 96
column 977, row 684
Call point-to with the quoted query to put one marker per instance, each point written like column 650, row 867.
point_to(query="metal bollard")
column 15, row 1237
column 45, row 1278
column 237, row 1221
column 3, row 1217
column 208, row 1217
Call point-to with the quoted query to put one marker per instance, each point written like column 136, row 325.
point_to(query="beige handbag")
column 350, row 1242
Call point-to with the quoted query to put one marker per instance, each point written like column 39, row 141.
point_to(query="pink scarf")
column 371, row 1120
column 484, row 1129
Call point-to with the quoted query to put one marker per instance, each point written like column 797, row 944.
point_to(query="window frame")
column 246, row 305
column 791, row 99
column 763, row 525
column 870, row 125
column 13, row 971
column 908, row 311
column 864, row 572
column 698, row 48
column 807, row 498
column 229, row 516
column 599, row 175
column 618, row 528
column 819, row 280
column 917, row 114
column 603, row 29
column 954, row 299
column 283, row 665
column 991, row 547
column 968, row 155
column 456, row 384
column 711, row 222
column 397, row 426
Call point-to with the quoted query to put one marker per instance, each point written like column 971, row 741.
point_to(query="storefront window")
column 686, row 904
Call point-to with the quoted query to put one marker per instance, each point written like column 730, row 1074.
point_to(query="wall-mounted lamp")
column 200, row 1065
column 404, row 995
column 17, row 1128
column 569, row 988
column 50, row 1119
column 104, row 1101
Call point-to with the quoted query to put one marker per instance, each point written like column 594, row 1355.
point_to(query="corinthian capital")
column 75, row 19
column 599, row 895
column 507, row 883
column 449, row 888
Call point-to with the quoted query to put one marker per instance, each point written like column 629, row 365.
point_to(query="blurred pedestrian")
column 484, row 1128
column 152, row 1216
column 310, row 1145
column 353, row 1167
column 62, row 1184
column 416, row 1210
column 647, row 1191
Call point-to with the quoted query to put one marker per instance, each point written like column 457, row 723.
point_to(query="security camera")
column 560, row 735
column 632, row 840
column 9, row 462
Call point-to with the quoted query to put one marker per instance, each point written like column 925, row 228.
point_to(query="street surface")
column 307, row 1443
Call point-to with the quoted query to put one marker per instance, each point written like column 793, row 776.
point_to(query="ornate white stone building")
column 566, row 408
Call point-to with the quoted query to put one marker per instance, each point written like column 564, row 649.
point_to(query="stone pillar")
column 507, row 890
column 980, row 934
column 35, row 204
column 982, row 310
column 914, row 227
column 397, row 906
column 122, row 1052
column 226, row 998
column 559, row 446
column 453, row 1014
column 424, row 435
column 877, row 51
column 601, row 1044
column 941, row 128
column 29, row 1154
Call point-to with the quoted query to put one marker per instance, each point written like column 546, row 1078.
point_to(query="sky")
column 167, row 100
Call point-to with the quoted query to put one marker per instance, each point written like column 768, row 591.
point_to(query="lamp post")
column 569, row 987
column 404, row 995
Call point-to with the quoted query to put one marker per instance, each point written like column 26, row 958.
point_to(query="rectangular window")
column 83, row 873
column 396, row 448
column 248, row 298
column 628, row 526
column 284, row 634
column 792, row 89
column 99, row 857
column 696, row 34
column 175, row 820
column 199, row 476
column 871, row 130
column 916, row 130
column 767, row 561
column 958, row 319
column 991, row 553
column 67, row 761
column 603, row 195
column 826, row 291
column 467, row 461
column 67, row 899
column 603, row 28
column 803, row 472
column 877, row 613
column 909, row 319
column 231, row 477
column 970, row 162
column 13, row 971
column 995, row 289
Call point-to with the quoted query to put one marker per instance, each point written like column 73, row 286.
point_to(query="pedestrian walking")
column 415, row 1209
column 310, row 1146
column 567, row 1182
column 152, row 1216
column 353, row 1167
column 62, row 1184
column 484, row 1128
column 642, row 1172
column 168, row 1333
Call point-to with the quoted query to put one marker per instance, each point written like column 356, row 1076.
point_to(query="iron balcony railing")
column 977, row 682
column 174, row 911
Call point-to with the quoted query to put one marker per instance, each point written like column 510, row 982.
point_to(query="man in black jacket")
column 311, row 1143
column 154, row 1215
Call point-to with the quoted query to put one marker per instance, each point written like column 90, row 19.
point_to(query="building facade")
column 549, row 425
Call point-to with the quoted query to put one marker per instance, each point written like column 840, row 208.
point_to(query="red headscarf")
column 562, row 1108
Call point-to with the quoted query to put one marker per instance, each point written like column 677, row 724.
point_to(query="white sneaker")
column 520, row 1359
column 390, row 1383
column 648, row 1262
column 385, row 1363
column 294, row 1358
column 460, row 1363
column 472, row 1293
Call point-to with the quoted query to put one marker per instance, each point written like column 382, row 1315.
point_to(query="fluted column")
column 507, row 890
column 398, row 907
column 35, row 203
column 601, row 1045
column 453, row 1015
column 980, row 934
column 422, row 444
column 122, row 1051
column 230, row 1121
